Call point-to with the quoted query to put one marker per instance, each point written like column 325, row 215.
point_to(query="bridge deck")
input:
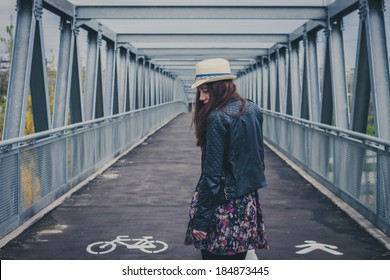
column 147, row 193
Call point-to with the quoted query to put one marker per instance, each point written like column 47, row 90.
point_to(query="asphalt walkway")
column 145, row 195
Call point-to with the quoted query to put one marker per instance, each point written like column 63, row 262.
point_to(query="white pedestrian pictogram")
column 313, row 245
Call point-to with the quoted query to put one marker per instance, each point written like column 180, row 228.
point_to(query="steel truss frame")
column 138, row 77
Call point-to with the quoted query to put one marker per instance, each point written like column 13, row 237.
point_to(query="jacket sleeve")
column 209, row 186
column 260, row 117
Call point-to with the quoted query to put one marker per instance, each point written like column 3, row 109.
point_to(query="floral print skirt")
column 237, row 227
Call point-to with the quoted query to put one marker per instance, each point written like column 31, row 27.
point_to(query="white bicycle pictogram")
column 146, row 244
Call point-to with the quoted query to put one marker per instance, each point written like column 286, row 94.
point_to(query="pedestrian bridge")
column 329, row 122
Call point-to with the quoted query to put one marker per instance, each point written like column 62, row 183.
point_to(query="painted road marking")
column 313, row 245
column 146, row 244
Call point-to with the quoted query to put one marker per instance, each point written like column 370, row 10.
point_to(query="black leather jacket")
column 232, row 158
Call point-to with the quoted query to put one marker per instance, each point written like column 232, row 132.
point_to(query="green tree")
column 29, row 125
column 8, row 43
column 51, row 79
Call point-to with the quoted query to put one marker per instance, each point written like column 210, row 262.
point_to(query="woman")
column 225, row 215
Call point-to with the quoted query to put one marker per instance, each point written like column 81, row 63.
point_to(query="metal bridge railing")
column 36, row 170
column 354, row 166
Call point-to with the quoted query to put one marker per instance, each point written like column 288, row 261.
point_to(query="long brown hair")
column 221, row 93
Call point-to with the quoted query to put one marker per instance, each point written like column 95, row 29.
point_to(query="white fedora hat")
column 212, row 70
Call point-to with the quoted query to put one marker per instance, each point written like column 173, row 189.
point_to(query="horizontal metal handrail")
column 9, row 144
column 40, row 168
column 353, row 166
column 352, row 135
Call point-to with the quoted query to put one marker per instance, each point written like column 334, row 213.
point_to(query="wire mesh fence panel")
column 355, row 170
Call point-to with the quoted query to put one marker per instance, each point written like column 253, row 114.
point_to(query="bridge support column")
column 293, row 82
column 310, row 103
column 93, row 92
column 63, row 81
column 153, row 85
column 281, row 56
column 259, row 84
column 372, row 62
column 265, row 83
column 147, row 83
column 127, row 82
column 253, row 82
column 272, row 78
column 76, row 102
column 28, row 71
column 335, row 99
column 123, row 77
column 132, row 77
column 140, row 83
column 111, row 78
column 160, row 85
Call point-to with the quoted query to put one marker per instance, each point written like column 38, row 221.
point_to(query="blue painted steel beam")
column 28, row 16
column 38, row 81
column 91, row 75
column 64, row 72
column 110, row 79
column 200, row 12
column 76, row 101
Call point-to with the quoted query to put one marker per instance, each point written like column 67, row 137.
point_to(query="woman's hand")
column 199, row 235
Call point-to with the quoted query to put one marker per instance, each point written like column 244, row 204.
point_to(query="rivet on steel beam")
column 62, row 23
column 363, row 10
column 38, row 9
column 100, row 34
column 76, row 27
column 76, row 30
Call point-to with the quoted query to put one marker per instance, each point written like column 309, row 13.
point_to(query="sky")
column 51, row 25
column 7, row 10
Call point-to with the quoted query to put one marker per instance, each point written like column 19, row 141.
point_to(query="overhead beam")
column 200, row 12
column 342, row 8
column 336, row 9
column 202, row 26
column 96, row 26
column 191, row 52
column 67, row 10
column 211, row 45
column 201, row 38
column 308, row 27
column 192, row 61
column 59, row 7
column 192, row 67
column 199, row 57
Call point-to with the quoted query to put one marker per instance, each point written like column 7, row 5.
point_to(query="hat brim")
column 213, row 79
